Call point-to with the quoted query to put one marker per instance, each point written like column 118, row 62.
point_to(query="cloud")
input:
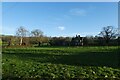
column 61, row 28
column 8, row 30
column 83, row 34
column 78, row 12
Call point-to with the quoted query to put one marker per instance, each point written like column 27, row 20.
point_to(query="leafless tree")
column 21, row 32
column 108, row 33
column 38, row 35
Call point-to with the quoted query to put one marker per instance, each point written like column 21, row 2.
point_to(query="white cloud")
column 78, row 12
column 8, row 30
column 61, row 28
column 83, row 34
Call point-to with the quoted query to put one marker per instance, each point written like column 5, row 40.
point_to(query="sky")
column 60, row 0
column 59, row 18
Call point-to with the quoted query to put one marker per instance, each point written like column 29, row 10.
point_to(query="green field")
column 61, row 62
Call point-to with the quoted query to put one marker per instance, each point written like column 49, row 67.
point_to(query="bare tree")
column 108, row 33
column 21, row 32
column 38, row 35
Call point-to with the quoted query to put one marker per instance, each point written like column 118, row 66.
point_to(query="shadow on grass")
column 110, row 59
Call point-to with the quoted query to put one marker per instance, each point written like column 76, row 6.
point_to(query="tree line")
column 108, row 36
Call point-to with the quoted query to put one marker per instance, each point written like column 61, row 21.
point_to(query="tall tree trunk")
column 9, row 42
column 39, row 43
column 107, row 41
column 21, row 41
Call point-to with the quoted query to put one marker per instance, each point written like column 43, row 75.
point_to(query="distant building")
column 77, row 41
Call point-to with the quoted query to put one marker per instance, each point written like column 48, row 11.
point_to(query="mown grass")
column 61, row 62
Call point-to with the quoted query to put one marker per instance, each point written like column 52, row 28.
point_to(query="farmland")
column 61, row 62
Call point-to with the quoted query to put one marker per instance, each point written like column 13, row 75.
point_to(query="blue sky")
column 59, row 19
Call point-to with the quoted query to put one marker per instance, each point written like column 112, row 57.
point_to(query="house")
column 77, row 41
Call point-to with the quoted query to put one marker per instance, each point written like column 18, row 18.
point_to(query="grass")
column 61, row 62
